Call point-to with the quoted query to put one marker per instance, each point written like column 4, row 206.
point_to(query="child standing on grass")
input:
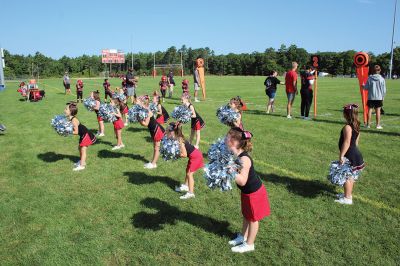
column 107, row 91
column 185, row 86
column 348, row 142
column 86, row 138
column 155, row 129
column 271, row 83
column 79, row 90
column 118, row 124
column 163, row 87
column 236, row 105
column 195, row 160
column 96, row 95
column 197, row 121
column 254, row 197
column 162, row 114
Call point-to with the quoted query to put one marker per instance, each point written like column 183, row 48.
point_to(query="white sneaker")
column 341, row 195
column 345, row 201
column 150, row 166
column 122, row 145
column 79, row 168
column 237, row 241
column 100, row 135
column 182, row 188
column 77, row 163
column 188, row 195
column 126, row 124
column 117, row 147
column 244, row 247
column 196, row 100
column 289, row 117
column 307, row 118
column 379, row 127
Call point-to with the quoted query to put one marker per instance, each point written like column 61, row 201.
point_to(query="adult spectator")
column 376, row 87
column 291, row 87
column 306, row 92
column 67, row 83
column 196, row 83
column 130, row 85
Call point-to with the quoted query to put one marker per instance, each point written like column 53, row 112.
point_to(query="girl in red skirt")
column 96, row 95
column 236, row 104
column 118, row 124
column 254, row 197
column 86, row 138
column 155, row 129
column 197, row 121
column 195, row 160
column 162, row 114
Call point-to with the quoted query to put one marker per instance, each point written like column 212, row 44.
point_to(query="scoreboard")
column 112, row 56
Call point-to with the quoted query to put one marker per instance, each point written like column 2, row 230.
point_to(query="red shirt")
column 290, row 77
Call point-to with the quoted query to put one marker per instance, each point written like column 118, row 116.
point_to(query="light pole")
column 391, row 52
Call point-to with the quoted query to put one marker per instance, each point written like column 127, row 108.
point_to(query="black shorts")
column 67, row 86
column 374, row 103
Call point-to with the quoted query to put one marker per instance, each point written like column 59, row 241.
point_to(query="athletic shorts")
column 374, row 103
column 290, row 96
column 130, row 91
column 196, row 87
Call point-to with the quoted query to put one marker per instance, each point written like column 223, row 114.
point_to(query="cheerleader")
column 236, row 105
column 171, row 83
column 79, row 90
column 118, row 124
column 96, row 95
column 163, row 87
column 123, row 107
column 254, row 197
column 185, row 86
column 349, row 152
column 162, row 114
column 195, row 160
column 155, row 129
column 86, row 138
column 197, row 121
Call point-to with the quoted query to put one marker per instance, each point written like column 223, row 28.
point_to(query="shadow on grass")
column 167, row 214
column 148, row 139
column 259, row 112
column 304, row 188
column 137, row 129
column 112, row 154
column 100, row 141
column 51, row 157
column 319, row 120
column 139, row 178
column 379, row 132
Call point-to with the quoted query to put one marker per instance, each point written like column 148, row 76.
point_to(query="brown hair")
column 238, row 102
column 73, row 108
column 377, row 69
column 96, row 95
column 350, row 113
column 244, row 144
column 155, row 94
column 177, row 128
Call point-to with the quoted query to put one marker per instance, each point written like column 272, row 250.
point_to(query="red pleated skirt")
column 195, row 161
column 255, row 206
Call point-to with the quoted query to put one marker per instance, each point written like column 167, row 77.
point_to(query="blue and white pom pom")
column 89, row 103
column 119, row 96
column 182, row 114
column 227, row 115
column 340, row 173
column 153, row 107
column 170, row 149
column 62, row 125
column 223, row 166
column 106, row 111
column 137, row 113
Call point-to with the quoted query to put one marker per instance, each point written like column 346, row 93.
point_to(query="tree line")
column 256, row 63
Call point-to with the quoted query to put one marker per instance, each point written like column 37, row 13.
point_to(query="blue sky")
column 72, row 28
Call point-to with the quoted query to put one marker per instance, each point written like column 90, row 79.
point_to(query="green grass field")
column 115, row 212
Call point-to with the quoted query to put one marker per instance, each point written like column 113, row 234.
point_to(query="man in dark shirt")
column 130, row 85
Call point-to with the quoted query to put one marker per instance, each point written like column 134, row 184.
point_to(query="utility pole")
column 391, row 52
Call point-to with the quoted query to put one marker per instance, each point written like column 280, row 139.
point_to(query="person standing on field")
column 376, row 87
column 67, row 83
column 196, row 83
column 130, row 85
column 291, row 87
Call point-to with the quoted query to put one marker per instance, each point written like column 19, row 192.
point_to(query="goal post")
column 165, row 68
